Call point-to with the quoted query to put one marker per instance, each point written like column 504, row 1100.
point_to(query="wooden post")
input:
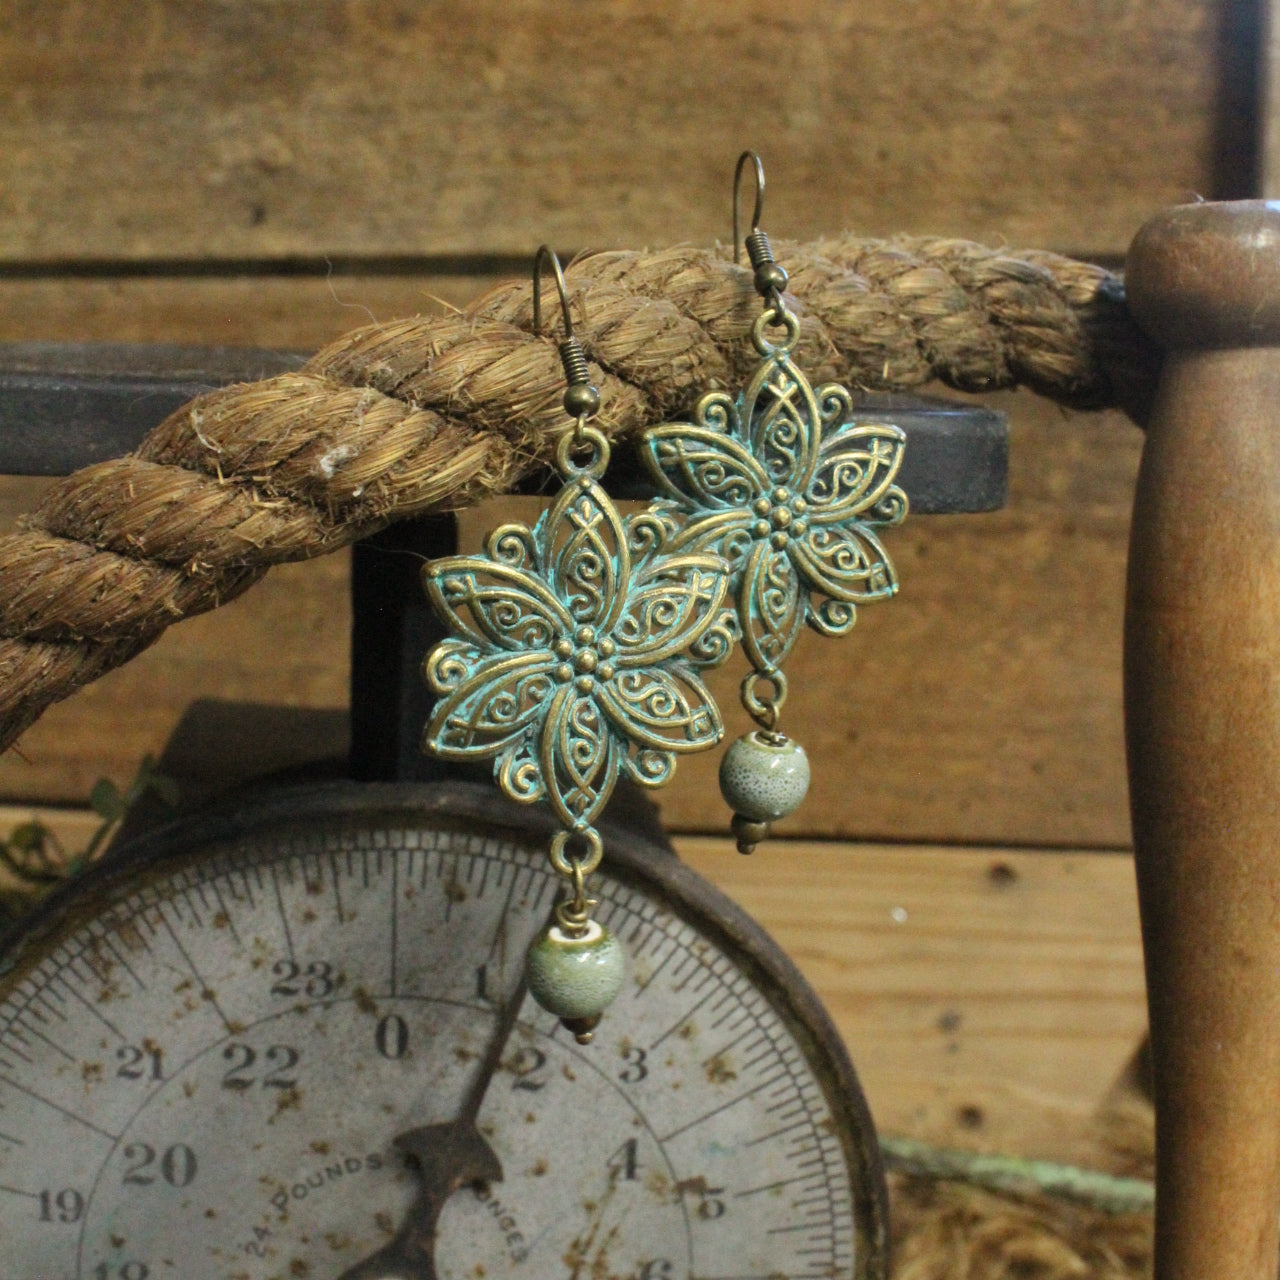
column 1202, row 705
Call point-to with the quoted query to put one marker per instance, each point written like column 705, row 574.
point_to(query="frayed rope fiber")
column 428, row 414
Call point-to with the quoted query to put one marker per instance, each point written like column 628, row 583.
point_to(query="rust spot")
column 719, row 1071
column 91, row 1071
column 1001, row 874
column 320, row 1147
column 221, row 920
column 539, row 1169
column 308, row 916
column 970, row 1116
column 949, row 1020
column 288, row 1100
column 132, row 939
column 454, row 891
column 299, row 1267
column 688, row 1031
column 365, row 1002
column 383, row 1222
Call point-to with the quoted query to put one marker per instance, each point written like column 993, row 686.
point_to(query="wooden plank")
column 990, row 999
column 982, row 705
column 301, row 313
column 290, row 313
column 168, row 129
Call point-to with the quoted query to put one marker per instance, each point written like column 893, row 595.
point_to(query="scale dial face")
column 208, row 1051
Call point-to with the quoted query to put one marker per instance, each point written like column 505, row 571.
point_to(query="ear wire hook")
column 581, row 399
column 759, row 209
column 770, row 279
column 547, row 252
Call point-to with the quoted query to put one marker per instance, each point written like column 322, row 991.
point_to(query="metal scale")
column 275, row 1039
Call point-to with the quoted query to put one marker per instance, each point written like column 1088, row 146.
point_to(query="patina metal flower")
column 791, row 509
column 573, row 652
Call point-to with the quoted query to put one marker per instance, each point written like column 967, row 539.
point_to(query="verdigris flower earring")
column 573, row 659
column 782, row 485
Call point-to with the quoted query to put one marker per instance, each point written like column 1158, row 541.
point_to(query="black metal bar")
column 64, row 406
column 392, row 630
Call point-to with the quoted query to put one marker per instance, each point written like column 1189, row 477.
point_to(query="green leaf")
column 106, row 801
column 29, row 837
column 148, row 779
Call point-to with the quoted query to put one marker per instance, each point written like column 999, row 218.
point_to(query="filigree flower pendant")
column 574, row 652
column 790, row 493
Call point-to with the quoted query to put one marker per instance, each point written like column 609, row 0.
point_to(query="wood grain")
column 167, row 129
column 301, row 313
column 989, row 999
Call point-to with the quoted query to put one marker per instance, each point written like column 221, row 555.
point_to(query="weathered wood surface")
column 989, row 999
column 983, row 704
column 302, row 313
column 168, row 129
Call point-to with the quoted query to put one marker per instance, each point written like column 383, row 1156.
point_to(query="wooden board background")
column 167, row 129
column 273, row 174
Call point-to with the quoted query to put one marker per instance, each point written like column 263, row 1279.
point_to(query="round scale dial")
column 292, row 1041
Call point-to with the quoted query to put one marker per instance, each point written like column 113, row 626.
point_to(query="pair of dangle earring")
column 576, row 646
column 573, row 660
column 784, row 486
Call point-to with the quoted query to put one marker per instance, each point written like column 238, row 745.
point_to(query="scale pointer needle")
column 444, row 1157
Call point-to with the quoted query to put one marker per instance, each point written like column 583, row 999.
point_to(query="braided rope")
column 425, row 414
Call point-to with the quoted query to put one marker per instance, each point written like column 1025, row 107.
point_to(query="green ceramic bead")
column 576, row 978
column 764, row 780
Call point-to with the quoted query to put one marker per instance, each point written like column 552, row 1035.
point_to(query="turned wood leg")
column 1202, row 707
